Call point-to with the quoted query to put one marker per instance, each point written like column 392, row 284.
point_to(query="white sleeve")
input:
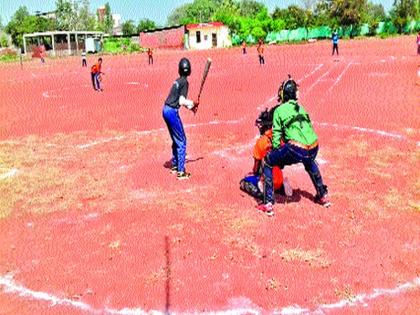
column 186, row 102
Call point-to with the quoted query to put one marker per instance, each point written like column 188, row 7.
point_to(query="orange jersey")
column 261, row 149
column 96, row 68
column 260, row 49
column 150, row 52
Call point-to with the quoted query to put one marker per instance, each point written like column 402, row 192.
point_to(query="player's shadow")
column 168, row 164
column 297, row 196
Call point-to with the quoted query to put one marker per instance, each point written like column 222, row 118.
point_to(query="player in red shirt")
column 150, row 54
column 96, row 75
column 260, row 50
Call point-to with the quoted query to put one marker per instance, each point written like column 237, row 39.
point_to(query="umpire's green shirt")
column 289, row 124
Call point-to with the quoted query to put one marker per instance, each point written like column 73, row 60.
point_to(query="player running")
column 177, row 97
column 291, row 124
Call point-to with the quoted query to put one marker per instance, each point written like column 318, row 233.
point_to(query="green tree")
column 86, row 20
column 4, row 41
column 108, row 21
column 293, row 16
column 250, row 8
column 65, row 15
column 228, row 13
column 199, row 11
column 403, row 12
column 128, row 28
column 15, row 27
column 375, row 13
column 145, row 25
column 349, row 13
column 178, row 15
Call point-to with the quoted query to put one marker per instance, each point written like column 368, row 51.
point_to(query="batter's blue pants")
column 179, row 140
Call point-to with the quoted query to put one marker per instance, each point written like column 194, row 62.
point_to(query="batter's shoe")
column 267, row 208
column 323, row 201
column 174, row 170
column 183, row 175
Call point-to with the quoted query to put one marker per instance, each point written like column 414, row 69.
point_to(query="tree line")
column 244, row 17
column 70, row 15
column 250, row 17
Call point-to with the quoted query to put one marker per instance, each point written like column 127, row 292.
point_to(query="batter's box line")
column 11, row 287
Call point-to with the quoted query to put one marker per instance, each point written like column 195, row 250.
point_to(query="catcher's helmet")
column 184, row 68
column 288, row 90
column 264, row 121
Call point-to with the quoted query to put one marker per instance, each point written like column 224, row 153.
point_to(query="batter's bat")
column 203, row 80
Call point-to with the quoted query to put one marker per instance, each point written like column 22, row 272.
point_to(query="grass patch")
column 315, row 258
column 345, row 293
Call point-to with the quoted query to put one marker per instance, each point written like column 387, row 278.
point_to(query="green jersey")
column 289, row 124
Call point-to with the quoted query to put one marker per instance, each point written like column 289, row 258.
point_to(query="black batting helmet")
column 184, row 68
column 288, row 90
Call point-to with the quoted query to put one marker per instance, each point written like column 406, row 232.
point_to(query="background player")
column 150, row 55
column 96, row 75
column 84, row 62
column 260, row 50
column 177, row 97
column 335, row 42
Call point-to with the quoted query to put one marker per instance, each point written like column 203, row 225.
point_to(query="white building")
column 117, row 20
column 208, row 35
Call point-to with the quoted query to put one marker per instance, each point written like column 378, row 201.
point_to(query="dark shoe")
column 183, row 175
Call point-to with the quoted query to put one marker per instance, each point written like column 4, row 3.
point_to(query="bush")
column 8, row 55
column 4, row 41
column 133, row 47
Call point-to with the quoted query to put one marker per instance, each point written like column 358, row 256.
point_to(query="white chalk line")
column 311, row 73
column 320, row 78
column 340, row 77
column 11, row 287
column 50, row 93
column 11, row 173
column 151, row 131
column 358, row 300
column 266, row 103
column 364, row 130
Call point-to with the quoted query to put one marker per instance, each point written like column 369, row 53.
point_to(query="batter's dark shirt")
column 180, row 87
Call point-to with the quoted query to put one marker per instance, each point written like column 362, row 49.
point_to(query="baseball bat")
column 203, row 80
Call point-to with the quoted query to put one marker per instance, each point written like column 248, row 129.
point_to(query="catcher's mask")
column 288, row 90
column 264, row 121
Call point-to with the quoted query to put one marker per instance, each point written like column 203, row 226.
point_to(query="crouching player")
column 291, row 123
column 252, row 184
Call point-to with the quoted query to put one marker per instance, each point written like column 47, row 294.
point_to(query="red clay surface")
column 92, row 221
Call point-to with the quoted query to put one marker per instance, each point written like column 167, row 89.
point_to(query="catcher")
column 252, row 184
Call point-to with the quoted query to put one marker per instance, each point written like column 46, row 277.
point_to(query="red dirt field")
column 91, row 222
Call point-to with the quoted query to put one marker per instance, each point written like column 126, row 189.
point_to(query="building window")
column 198, row 36
column 206, row 37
